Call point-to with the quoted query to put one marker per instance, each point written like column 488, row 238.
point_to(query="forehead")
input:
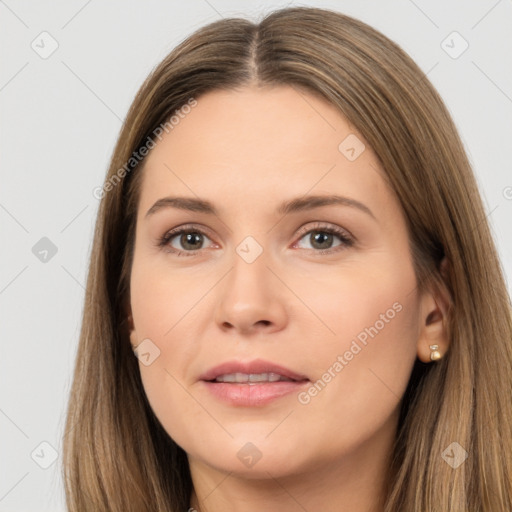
column 256, row 143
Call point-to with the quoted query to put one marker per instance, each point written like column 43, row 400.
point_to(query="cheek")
column 376, row 308
column 163, row 312
column 161, row 297
column 362, row 370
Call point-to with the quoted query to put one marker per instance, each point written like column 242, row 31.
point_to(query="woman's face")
column 272, row 278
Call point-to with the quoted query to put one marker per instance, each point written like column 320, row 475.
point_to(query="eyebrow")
column 290, row 206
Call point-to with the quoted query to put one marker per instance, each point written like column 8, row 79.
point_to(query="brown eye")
column 321, row 239
column 325, row 238
column 190, row 241
column 183, row 240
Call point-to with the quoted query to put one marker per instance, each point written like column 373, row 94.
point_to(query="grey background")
column 60, row 117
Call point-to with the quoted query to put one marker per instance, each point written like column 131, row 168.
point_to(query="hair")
column 116, row 454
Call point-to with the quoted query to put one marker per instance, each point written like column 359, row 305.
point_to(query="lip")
column 254, row 366
column 254, row 394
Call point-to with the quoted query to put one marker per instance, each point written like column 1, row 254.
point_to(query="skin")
column 246, row 151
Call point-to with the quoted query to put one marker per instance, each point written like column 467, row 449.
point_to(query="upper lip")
column 255, row 366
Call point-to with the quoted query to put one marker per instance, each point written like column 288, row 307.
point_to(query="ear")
column 433, row 328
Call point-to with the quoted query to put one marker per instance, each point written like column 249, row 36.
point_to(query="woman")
column 292, row 243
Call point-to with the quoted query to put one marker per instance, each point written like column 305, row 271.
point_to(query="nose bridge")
column 249, row 277
column 250, row 294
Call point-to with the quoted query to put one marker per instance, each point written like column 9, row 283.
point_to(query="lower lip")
column 253, row 395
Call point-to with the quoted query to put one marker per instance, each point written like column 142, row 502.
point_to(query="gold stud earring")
column 435, row 355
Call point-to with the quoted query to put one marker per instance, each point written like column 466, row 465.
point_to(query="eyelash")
column 346, row 239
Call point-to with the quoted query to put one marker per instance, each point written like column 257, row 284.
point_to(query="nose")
column 252, row 299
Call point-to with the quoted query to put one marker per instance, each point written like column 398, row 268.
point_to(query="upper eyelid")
column 188, row 227
column 317, row 225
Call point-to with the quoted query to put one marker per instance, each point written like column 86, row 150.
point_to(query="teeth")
column 262, row 377
column 251, row 377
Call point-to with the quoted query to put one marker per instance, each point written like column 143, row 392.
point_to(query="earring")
column 435, row 355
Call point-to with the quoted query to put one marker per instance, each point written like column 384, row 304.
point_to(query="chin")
column 253, row 460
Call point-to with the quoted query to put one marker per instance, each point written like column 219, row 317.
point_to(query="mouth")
column 251, row 384
column 251, row 378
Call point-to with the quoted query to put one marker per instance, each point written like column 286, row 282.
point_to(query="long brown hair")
column 116, row 455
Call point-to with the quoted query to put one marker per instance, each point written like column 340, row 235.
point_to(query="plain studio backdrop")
column 69, row 71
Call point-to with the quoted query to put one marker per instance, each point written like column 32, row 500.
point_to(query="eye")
column 322, row 237
column 188, row 240
column 184, row 241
